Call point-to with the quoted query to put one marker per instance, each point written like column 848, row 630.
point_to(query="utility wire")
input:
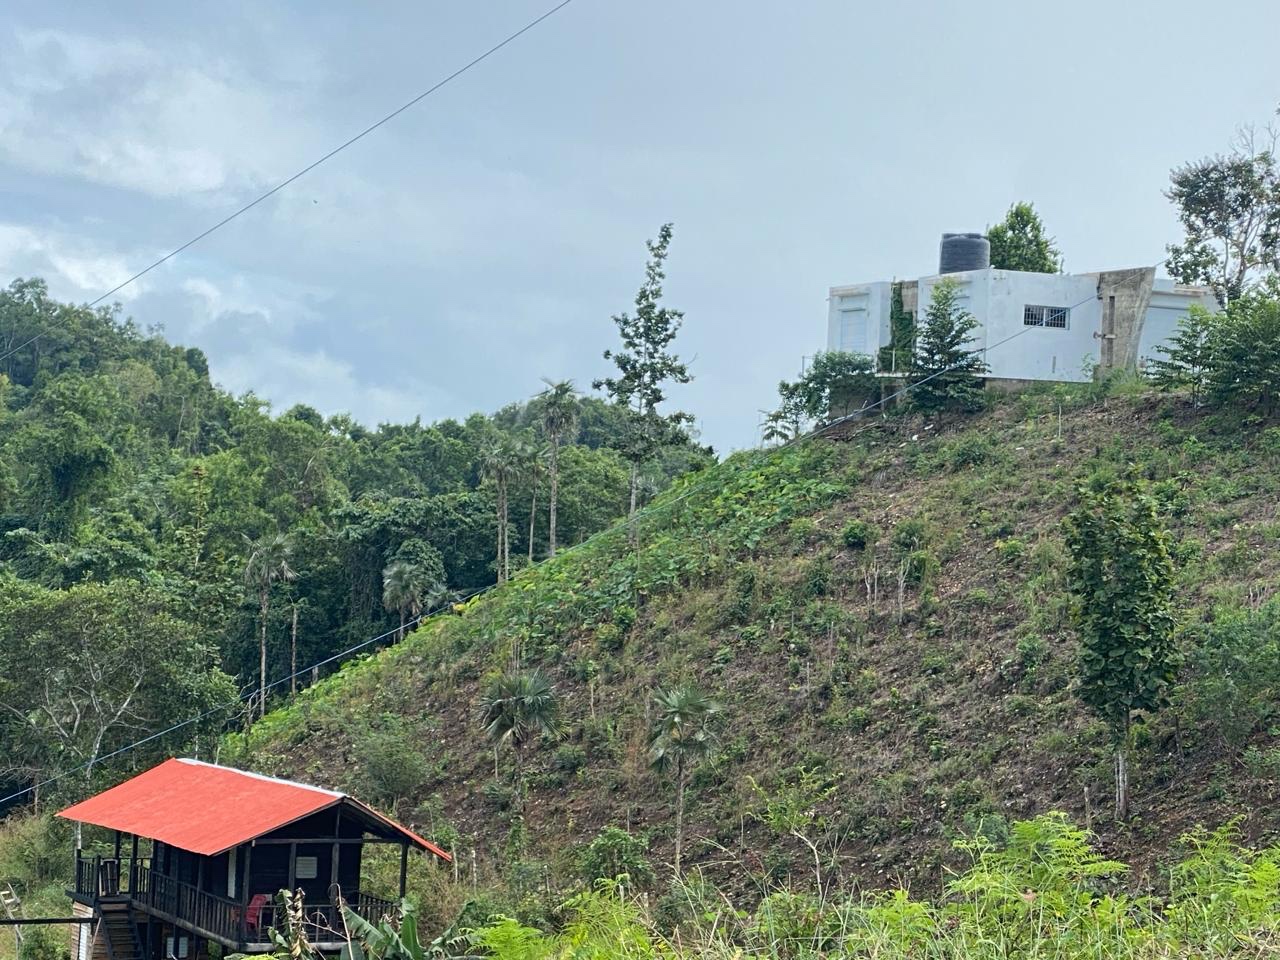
column 311, row 166
column 645, row 513
column 248, row 695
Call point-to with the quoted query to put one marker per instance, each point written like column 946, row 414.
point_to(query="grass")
column 890, row 606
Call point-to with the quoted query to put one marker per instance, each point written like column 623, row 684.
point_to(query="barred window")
column 1041, row 316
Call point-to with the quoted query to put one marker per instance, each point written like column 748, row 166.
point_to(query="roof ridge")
column 261, row 776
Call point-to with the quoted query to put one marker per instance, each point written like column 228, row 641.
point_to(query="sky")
column 484, row 239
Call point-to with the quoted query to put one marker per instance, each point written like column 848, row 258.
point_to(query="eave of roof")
column 208, row 809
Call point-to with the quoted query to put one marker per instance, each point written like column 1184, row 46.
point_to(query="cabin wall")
column 270, row 861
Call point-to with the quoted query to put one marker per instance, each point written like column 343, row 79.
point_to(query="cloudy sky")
column 482, row 240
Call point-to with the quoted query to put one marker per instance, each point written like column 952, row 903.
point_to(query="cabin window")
column 231, row 873
column 1038, row 315
column 305, row 868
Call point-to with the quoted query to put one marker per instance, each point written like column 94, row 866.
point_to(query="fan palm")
column 517, row 708
column 403, row 590
column 684, row 735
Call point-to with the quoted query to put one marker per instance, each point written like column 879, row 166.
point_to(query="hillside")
column 907, row 709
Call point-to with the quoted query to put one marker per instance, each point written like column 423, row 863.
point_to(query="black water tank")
column 963, row 251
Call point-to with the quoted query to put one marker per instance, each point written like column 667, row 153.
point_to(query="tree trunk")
column 506, row 537
column 402, row 624
column 635, row 485
column 293, row 652
column 498, row 562
column 555, row 493
column 533, row 516
column 264, row 600
column 1122, row 776
column 679, row 811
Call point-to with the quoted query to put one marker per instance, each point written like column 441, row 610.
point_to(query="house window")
column 1042, row 316
column 306, row 867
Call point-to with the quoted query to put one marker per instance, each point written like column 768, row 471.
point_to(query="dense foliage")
column 1229, row 207
column 1019, row 242
column 1230, row 359
column 173, row 525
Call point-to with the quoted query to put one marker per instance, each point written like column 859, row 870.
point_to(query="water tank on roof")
column 963, row 251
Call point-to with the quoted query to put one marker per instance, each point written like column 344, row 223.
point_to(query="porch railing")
column 220, row 917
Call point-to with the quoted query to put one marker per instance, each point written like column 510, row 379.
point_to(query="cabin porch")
column 176, row 906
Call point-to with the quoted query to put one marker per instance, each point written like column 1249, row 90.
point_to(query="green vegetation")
column 1229, row 207
column 142, row 506
column 1043, row 892
column 645, row 365
column 945, row 369
column 1121, row 576
column 1019, row 242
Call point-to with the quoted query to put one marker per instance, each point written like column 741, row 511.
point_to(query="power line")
column 311, row 166
column 249, row 695
column 624, row 524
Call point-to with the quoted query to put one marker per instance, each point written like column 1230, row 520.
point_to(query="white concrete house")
column 1033, row 326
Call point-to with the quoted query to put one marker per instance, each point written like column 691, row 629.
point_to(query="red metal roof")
column 207, row 809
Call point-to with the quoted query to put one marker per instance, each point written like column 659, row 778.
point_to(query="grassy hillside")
column 885, row 622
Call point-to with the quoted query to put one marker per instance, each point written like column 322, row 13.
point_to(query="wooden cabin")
column 202, row 851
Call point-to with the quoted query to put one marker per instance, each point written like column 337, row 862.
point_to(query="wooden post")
column 337, row 834
column 244, row 891
column 404, row 868
column 133, row 865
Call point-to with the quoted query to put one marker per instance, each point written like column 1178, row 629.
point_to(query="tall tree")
column 1229, row 206
column 500, row 463
column 1121, row 579
column 560, row 421
column 684, row 735
column 1019, row 242
column 535, row 455
column 946, row 372
column 87, row 670
column 516, row 708
column 267, row 561
column 645, row 365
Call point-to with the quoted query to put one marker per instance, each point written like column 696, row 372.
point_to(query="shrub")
column 614, row 853
column 910, row 534
column 391, row 766
column 570, row 758
column 858, row 535
column 1234, row 675
column 43, row 943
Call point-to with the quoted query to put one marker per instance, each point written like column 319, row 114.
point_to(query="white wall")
column 1169, row 304
column 858, row 317
column 1020, row 352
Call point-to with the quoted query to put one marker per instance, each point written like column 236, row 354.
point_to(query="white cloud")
column 75, row 268
column 164, row 121
column 287, row 376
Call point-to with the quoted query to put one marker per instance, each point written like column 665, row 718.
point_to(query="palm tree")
column 516, row 708
column 534, row 454
column 268, row 562
column 559, row 420
column 684, row 734
column 500, row 462
column 403, row 589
